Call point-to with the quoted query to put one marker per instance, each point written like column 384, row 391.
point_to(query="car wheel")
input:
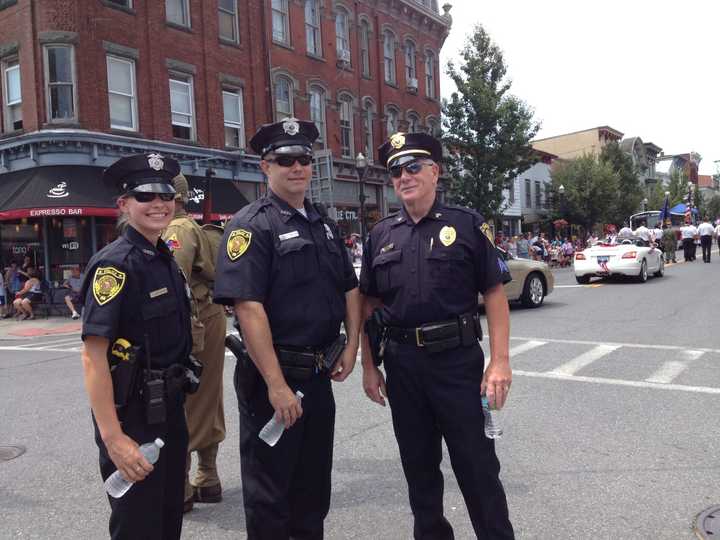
column 661, row 270
column 533, row 291
column 582, row 280
column 643, row 275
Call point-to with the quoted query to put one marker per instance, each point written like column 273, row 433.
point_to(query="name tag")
column 289, row 235
column 158, row 292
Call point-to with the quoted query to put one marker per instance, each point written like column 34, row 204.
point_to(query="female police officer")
column 137, row 323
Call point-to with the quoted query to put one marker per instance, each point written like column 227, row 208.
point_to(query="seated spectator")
column 29, row 294
column 3, row 301
column 73, row 298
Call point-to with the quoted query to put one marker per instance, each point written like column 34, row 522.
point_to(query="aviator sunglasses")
column 413, row 167
column 144, row 197
column 289, row 161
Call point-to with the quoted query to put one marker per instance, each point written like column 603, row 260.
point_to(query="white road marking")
column 584, row 360
column 569, row 286
column 617, row 382
column 63, row 341
column 669, row 371
column 525, row 347
column 632, row 345
column 25, row 349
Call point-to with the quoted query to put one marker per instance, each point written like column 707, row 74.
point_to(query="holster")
column 124, row 371
column 377, row 336
column 302, row 363
column 333, row 352
column 248, row 374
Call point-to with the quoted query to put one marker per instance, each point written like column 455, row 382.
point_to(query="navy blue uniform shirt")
column 432, row 270
column 297, row 267
column 133, row 288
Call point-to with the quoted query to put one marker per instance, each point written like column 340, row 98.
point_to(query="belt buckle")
column 419, row 341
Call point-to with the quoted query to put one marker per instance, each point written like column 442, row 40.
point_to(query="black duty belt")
column 464, row 330
column 304, row 362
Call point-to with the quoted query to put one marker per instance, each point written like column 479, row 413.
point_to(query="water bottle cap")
column 159, row 442
column 299, row 394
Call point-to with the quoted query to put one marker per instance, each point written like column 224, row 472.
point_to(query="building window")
column 177, row 12
column 433, row 128
column 121, row 93
column 280, row 31
column 410, row 70
column 12, row 91
column 346, row 127
column 121, row 3
column 365, row 48
column 391, row 126
column 283, row 98
column 317, row 112
column 528, row 194
column 312, row 28
column 60, row 77
column 367, row 116
column 233, row 118
column 227, row 12
column 342, row 36
column 389, row 56
column 430, row 74
column 182, row 107
column 511, row 193
column 413, row 123
column 538, row 194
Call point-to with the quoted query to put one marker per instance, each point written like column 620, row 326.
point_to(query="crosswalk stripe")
column 669, row 371
column 584, row 360
column 631, row 345
column 63, row 341
column 525, row 347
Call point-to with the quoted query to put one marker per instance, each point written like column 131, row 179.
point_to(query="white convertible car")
column 625, row 258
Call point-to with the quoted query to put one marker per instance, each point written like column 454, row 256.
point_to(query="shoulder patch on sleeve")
column 107, row 284
column 238, row 243
column 173, row 242
column 485, row 229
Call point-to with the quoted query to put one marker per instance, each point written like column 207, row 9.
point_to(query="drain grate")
column 708, row 523
column 11, row 452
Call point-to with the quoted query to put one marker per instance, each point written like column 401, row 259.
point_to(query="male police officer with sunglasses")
column 422, row 271
column 283, row 267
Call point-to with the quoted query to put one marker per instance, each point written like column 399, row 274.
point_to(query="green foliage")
column 656, row 197
column 678, row 188
column 591, row 187
column 627, row 200
column 712, row 207
column 487, row 130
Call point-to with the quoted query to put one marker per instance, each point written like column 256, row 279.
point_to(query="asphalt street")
column 610, row 429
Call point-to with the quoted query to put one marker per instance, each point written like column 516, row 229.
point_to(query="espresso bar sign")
column 40, row 212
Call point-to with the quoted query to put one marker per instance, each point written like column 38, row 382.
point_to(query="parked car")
column 531, row 281
column 630, row 257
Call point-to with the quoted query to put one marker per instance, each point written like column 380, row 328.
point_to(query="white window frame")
column 392, row 113
column 364, row 38
column 410, row 60
column 48, row 84
column 237, row 93
column 319, row 119
column 313, row 31
column 367, row 121
column 389, row 68
column 528, row 193
column 413, row 123
column 346, row 127
column 8, row 66
column 184, row 7
column 236, row 27
column 132, row 96
column 283, row 13
column 279, row 115
column 538, row 194
column 182, row 79
column 342, row 31
column 430, row 74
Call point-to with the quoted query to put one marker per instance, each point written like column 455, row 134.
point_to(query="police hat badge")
column 397, row 140
column 155, row 162
column 291, row 126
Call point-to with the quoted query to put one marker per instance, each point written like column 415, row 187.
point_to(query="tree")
column 677, row 187
column 712, row 207
column 588, row 186
column 487, row 130
column 626, row 201
column 656, row 197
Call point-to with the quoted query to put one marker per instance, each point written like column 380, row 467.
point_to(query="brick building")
column 87, row 81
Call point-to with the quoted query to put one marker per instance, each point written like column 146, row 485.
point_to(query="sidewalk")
column 10, row 329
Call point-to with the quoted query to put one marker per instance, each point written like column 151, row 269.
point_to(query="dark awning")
column 226, row 198
column 62, row 190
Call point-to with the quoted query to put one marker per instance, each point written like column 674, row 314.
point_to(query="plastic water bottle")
column 116, row 485
column 273, row 430
column 492, row 427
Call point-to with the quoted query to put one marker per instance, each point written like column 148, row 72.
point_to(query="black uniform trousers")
column 286, row 488
column 153, row 508
column 688, row 249
column 436, row 396
column 706, row 243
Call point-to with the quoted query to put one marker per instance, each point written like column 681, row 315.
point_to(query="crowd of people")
column 556, row 252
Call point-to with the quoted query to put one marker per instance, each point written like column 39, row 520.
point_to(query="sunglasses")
column 289, row 161
column 143, row 197
column 413, row 167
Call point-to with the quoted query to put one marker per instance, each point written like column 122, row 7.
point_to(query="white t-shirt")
column 643, row 232
column 717, row 231
column 688, row 231
column 625, row 231
column 658, row 234
column 705, row 229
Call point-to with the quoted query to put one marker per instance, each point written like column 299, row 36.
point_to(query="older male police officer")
column 283, row 266
column 422, row 271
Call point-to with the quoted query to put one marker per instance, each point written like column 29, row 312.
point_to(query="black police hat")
column 402, row 148
column 149, row 173
column 290, row 136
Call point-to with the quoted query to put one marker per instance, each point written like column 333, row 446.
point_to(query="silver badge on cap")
column 155, row 162
column 291, row 126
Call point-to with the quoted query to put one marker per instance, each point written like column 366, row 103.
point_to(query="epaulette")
column 465, row 210
column 251, row 210
column 389, row 216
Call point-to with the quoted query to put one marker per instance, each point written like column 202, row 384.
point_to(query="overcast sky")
column 646, row 68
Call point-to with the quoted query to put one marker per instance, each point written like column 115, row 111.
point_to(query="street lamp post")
column 644, row 204
column 561, row 192
column 361, row 166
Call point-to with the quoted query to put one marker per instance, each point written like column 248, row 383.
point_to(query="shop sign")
column 58, row 191
column 196, row 195
column 71, row 245
column 39, row 212
column 19, row 250
column 346, row 215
